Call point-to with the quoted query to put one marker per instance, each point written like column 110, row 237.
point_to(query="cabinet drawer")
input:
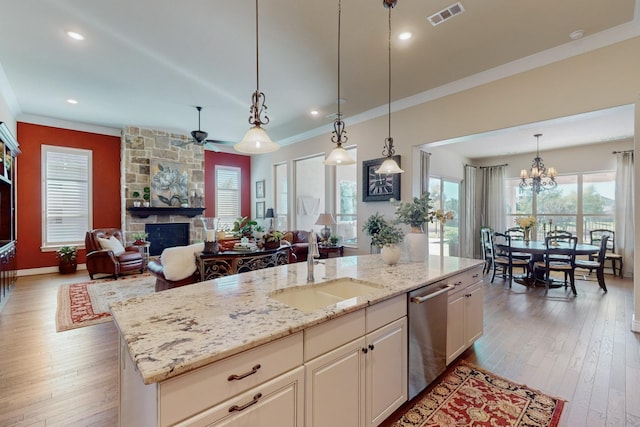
column 204, row 387
column 463, row 280
column 386, row 312
column 326, row 336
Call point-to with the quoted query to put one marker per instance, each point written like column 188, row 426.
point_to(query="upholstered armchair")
column 107, row 253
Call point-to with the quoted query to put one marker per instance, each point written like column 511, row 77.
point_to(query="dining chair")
column 486, row 248
column 562, row 236
column 502, row 257
column 517, row 233
column 598, row 263
column 596, row 235
column 560, row 256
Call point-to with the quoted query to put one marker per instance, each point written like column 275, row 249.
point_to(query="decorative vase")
column 417, row 243
column 527, row 235
column 391, row 254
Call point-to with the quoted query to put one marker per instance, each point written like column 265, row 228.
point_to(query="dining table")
column 537, row 248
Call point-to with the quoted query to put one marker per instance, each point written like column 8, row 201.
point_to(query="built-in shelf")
column 145, row 212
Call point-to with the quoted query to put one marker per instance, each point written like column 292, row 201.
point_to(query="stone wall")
column 139, row 147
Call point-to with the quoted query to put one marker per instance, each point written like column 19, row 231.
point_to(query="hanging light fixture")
column 389, row 166
column 539, row 178
column 339, row 156
column 256, row 140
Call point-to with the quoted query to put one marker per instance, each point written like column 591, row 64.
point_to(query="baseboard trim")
column 44, row 270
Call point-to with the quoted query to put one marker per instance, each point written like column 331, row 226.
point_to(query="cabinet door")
column 456, row 342
column 279, row 402
column 474, row 317
column 334, row 385
column 386, row 364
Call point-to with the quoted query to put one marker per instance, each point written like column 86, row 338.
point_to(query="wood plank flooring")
column 579, row 349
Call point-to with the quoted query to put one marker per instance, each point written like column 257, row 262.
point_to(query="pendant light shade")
column 256, row 140
column 339, row 156
column 389, row 166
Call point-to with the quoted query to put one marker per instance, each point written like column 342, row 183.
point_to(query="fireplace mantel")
column 145, row 212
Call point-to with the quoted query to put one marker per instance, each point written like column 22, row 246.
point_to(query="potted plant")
column 146, row 195
column 139, row 237
column 243, row 226
column 67, row 259
column 334, row 239
column 388, row 239
column 136, row 195
column 258, row 232
column 415, row 214
column 272, row 239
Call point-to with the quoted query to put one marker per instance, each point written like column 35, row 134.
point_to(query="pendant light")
column 389, row 166
column 339, row 156
column 256, row 140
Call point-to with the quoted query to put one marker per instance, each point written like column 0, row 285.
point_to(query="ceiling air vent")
column 446, row 14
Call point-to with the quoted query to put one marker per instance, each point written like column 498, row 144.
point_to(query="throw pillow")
column 111, row 243
column 179, row 262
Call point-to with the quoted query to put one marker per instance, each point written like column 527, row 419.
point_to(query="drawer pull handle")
column 236, row 408
column 475, row 276
column 245, row 375
column 371, row 347
column 365, row 350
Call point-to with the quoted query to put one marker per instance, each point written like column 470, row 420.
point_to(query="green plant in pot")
column 243, row 226
column 272, row 239
column 146, row 195
column 67, row 259
column 333, row 240
column 139, row 237
column 136, row 196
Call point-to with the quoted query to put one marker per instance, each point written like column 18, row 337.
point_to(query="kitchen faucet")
column 312, row 253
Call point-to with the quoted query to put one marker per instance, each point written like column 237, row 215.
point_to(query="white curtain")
column 492, row 195
column 424, row 171
column 624, row 210
column 468, row 230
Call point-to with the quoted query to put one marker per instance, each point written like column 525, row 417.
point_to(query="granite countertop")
column 175, row 331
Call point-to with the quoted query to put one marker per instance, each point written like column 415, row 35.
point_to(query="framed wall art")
column 379, row 187
column 260, row 189
column 259, row 209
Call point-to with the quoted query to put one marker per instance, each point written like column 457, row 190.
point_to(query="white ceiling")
column 149, row 62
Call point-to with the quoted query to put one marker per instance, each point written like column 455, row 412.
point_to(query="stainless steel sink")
column 341, row 292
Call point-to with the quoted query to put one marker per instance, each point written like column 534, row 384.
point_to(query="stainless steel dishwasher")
column 427, row 335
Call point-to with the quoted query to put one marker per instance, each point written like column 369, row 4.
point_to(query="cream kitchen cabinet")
column 362, row 381
column 465, row 312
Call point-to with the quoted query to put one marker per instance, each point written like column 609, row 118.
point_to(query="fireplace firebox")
column 163, row 236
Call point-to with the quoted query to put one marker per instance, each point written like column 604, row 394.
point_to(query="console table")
column 325, row 251
column 212, row 266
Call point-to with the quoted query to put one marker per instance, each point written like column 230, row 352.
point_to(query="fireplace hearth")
column 163, row 236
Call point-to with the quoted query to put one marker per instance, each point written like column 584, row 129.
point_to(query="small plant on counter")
column 388, row 235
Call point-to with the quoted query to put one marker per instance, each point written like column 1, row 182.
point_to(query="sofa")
column 299, row 241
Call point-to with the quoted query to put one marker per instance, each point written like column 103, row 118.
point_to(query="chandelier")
column 389, row 166
column 256, row 140
column 539, row 178
column 339, row 156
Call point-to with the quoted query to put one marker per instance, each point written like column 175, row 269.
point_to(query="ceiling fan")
column 200, row 137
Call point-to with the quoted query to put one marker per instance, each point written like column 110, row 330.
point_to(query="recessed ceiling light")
column 406, row 35
column 314, row 112
column 577, row 34
column 72, row 101
column 75, row 36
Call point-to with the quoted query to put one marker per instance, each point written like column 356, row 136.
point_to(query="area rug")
column 87, row 303
column 469, row 396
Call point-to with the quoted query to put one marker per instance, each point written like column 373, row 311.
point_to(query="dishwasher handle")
column 420, row 300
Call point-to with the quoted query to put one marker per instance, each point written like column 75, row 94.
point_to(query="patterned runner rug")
column 470, row 396
column 87, row 303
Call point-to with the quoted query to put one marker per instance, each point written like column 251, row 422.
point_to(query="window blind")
column 227, row 194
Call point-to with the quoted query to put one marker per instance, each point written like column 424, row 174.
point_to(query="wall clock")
column 379, row 187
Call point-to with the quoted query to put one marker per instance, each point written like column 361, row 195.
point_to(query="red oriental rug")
column 469, row 396
column 87, row 303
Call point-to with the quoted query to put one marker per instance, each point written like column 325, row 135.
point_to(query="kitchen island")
column 170, row 334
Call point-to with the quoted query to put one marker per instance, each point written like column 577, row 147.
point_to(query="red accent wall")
column 106, row 186
column 211, row 159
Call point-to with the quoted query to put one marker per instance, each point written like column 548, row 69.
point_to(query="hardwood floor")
column 580, row 349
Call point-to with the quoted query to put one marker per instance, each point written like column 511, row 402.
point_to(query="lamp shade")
column 325, row 219
column 389, row 166
column 270, row 213
column 339, row 156
column 256, row 141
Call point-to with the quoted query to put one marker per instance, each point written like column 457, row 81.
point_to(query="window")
column 446, row 196
column 281, row 221
column 579, row 203
column 346, row 194
column 310, row 187
column 227, row 195
column 66, row 196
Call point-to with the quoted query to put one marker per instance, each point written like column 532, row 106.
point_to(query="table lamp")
column 270, row 214
column 326, row 220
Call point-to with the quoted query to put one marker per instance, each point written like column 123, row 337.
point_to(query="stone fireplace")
column 139, row 147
